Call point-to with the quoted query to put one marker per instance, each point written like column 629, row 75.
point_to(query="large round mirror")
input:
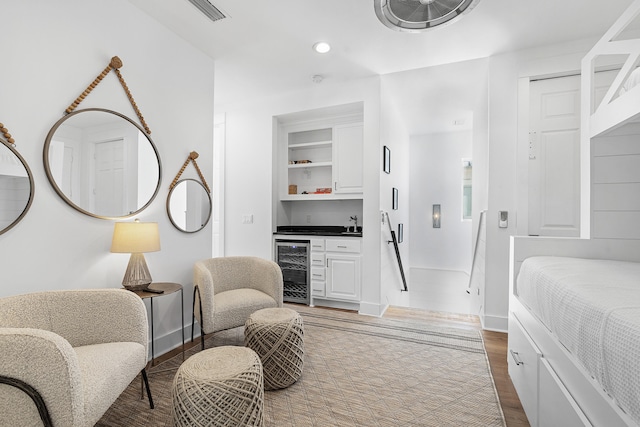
column 102, row 163
column 189, row 206
column 16, row 187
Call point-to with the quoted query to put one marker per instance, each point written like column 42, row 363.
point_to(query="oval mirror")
column 16, row 187
column 189, row 206
column 102, row 163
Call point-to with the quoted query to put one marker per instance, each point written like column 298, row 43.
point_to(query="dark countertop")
column 317, row 230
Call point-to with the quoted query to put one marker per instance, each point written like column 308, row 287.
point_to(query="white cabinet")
column 323, row 163
column 556, row 405
column 522, row 360
column 339, row 278
column 347, row 158
column 544, row 397
column 343, row 277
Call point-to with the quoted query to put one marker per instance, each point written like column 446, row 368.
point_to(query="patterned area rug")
column 358, row 371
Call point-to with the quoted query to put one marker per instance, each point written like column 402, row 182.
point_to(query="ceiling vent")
column 415, row 16
column 208, row 9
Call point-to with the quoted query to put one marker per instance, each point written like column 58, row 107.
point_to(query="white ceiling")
column 265, row 47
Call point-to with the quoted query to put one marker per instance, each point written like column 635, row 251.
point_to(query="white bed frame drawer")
column 523, row 358
column 557, row 407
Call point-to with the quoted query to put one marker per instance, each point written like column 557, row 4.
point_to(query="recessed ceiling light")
column 322, row 47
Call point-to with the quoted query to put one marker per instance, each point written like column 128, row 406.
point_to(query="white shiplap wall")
column 615, row 184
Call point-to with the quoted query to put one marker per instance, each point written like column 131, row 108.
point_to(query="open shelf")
column 310, row 165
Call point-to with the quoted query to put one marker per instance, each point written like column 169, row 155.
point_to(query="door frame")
column 522, row 149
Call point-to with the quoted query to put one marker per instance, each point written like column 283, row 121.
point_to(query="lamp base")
column 137, row 276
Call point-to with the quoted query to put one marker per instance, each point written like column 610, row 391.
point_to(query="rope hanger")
column 7, row 135
column 114, row 65
column 192, row 158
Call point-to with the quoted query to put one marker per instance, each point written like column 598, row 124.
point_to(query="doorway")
column 553, row 154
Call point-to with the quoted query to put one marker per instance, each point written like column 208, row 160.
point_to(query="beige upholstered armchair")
column 66, row 356
column 228, row 289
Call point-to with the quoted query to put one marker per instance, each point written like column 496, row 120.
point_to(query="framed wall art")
column 386, row 160
column 394, row 200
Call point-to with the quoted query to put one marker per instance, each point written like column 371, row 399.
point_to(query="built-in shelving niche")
column 304, row 153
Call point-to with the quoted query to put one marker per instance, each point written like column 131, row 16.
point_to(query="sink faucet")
column 355, row 222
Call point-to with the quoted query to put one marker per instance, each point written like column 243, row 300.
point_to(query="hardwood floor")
column 496, row 346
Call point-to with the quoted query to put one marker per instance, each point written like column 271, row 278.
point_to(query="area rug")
column 358, row 371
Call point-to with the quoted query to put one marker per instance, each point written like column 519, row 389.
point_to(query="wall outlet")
column 247, row 219
column 308, row 219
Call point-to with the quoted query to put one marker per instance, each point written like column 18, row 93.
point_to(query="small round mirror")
column 16, row 187
column 102, row 163
column 189, row 206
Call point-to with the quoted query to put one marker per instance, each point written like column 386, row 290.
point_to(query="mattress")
column 593, row 308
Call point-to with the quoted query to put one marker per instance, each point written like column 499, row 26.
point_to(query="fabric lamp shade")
column 136, row 238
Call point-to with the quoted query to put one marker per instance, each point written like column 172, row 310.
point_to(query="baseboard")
column 371, row 309
column 172, row 340
column 494, row 323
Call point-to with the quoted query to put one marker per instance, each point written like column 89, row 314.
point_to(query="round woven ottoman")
column 277, row 335
column 221, row 386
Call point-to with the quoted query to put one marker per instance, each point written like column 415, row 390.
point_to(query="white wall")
column 508, row 150
column 395, row 136
column 436, row 178
column 51, row 52
column 250, row 187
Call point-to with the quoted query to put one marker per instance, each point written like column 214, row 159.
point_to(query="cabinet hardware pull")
column 516, row 357
column 341, row 246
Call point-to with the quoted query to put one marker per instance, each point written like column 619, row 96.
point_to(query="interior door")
column 554, row 157
column 554, row 154
column 109, row 174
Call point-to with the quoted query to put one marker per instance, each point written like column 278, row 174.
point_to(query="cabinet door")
column 347, row 158
column 343, row 277
column 523, row 360
column 556, row 406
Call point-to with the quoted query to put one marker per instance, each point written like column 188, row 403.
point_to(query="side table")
column 168, row 289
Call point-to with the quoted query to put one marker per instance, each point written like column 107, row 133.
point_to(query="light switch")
column 247, row 219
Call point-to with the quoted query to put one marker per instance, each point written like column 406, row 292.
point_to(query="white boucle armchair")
column 66, row 356
column 227, row 290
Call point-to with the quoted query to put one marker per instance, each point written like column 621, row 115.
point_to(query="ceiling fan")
column 420, row 15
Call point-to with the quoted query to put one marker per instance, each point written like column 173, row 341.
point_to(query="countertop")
column 317, row 230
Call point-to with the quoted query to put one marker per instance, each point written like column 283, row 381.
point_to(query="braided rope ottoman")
column 277, row 335
column 221, row 386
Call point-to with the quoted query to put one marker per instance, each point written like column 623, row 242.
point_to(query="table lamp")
column 136, row 238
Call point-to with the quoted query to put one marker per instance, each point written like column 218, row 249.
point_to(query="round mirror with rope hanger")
column 16, row 183
column 189, row 201
column 101, row 162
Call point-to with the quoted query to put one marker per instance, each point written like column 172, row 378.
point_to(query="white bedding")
column 593, row 308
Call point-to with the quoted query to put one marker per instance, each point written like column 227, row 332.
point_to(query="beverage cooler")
column 293, row 258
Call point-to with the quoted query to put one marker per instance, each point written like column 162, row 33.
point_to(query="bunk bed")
column 574, row 306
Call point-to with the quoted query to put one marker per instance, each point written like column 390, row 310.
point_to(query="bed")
column 574, row 304
column 574, row 330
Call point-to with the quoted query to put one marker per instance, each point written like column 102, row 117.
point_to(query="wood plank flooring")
column 495, row 344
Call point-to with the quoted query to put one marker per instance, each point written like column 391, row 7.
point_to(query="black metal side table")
column 162, row 289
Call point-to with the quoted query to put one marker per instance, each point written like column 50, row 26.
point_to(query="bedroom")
column 51, row 53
